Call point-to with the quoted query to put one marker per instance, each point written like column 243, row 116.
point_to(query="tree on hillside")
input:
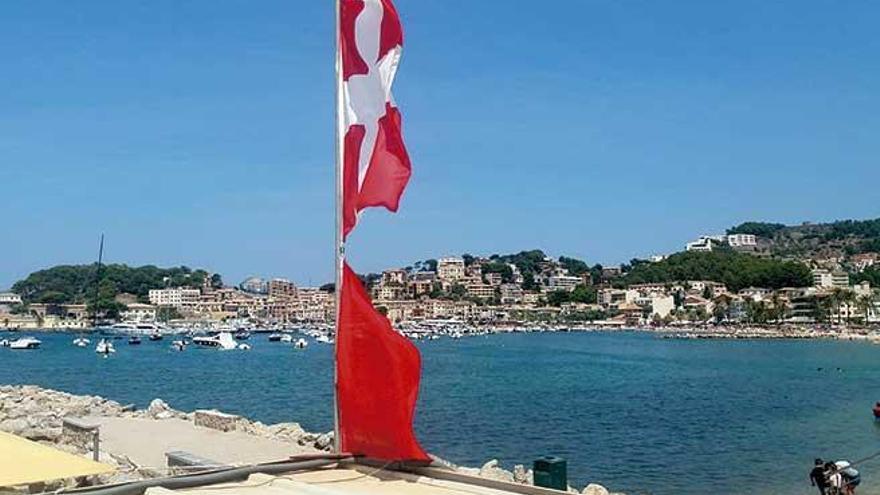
column 735, row 270
column 760, row 229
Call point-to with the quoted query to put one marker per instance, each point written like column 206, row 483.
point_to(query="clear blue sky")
column 201, row 132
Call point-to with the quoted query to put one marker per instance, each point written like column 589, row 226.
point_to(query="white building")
column 178, row 297
column 511, row 294
column 139, row 312
column 9, row 298
column 562, row 282
column 704, row 243
column 742, row 240
column 450, row 268
column 826, row 279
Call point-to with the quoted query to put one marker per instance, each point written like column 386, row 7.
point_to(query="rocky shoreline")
column 37, row 414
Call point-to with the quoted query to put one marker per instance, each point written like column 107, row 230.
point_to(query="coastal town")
column 528, row 290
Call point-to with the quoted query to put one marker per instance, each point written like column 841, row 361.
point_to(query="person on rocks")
column 817, row 476
column 835, row 479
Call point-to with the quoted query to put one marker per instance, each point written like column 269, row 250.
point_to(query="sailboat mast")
column 97, row 283
column 339, row 246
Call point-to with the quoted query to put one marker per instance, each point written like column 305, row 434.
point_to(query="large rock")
column 595, row 489
column 159, row 409
column 288, row 432
column 522, row 475
column 325, row 441
column 15, row 426
column 492, row 471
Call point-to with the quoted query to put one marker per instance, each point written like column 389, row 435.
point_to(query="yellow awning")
column 23, row 461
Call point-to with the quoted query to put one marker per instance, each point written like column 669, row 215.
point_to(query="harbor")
column 658, row 406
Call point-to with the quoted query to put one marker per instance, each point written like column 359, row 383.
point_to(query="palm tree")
column 839, row 297
column 849, row 298
column 865, row 303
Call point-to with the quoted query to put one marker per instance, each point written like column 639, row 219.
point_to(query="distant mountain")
column 815, row 240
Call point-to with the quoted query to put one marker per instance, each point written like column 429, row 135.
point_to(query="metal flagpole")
column 340, row 241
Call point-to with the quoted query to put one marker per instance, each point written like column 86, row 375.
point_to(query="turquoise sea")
column 633, row 412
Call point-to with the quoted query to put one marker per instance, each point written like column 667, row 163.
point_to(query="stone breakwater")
column 37, row 414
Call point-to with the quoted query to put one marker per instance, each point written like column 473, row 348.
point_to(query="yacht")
column 223, row 340
column 25, row 343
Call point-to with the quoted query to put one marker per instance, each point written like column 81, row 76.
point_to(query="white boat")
column 223, row 341
column 300, row 344
column 324, row 339
column 287, row 338
column 105, row 347
column 244, row 347
column 178, row 345
column 138, row 328
column 81, row 342
column 25, row 343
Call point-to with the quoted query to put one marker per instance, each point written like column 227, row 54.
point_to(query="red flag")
column 377, row 373
column 376, row 164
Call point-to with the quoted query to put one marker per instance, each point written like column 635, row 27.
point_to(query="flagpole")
column 339, row 246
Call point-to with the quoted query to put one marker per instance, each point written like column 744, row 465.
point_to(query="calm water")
column 638, row 414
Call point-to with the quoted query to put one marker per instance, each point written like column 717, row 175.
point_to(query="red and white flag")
column 377, row 369
column 376, row 166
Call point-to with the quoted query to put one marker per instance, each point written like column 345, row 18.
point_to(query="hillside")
column 76, row 283
column 736, row 270
column 815, row 240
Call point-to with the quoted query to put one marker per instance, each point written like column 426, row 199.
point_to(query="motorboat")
column 81, row 342
column 324, row 339
column 244, row 347
column 134, row 340
column 287, row 338
column 105, row 347
column 178, row 345
column 242, row 335
column 223, row 341
column 25, row 343
column 275, row 337
column 300, row 344
column 154, row 336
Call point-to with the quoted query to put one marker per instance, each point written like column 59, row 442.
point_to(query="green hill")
column 736, row 270
column 76, row 283
column 812, row 240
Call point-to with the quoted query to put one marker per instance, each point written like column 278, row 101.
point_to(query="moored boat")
column 134, row 340
column 25, row 343
column 223, row 341
column 105, row 347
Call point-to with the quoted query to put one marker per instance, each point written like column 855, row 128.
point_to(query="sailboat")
column 81, row 341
